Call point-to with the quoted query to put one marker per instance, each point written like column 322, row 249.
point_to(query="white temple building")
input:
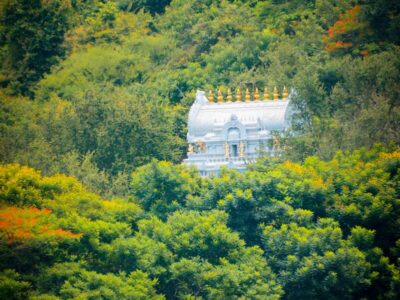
column 234, row 132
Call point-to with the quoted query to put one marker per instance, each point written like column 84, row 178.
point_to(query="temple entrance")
column 234, row 150
column 233, row 138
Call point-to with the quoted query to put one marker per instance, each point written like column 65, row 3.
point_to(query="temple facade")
column 234, row 132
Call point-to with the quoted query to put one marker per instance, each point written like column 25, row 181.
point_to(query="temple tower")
column 234, row 132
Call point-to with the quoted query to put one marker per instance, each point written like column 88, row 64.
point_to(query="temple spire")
column 238, row 95
column 256, row 95
column 229, row 97
column 285, row 93
column 220, row 97
column 247, row 95
column 266, row 94
column 210, row 96
column 276, row 95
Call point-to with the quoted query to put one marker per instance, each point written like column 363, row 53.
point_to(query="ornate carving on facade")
column 241, row 150
column 227, row 151
column 230, row 133
column 201, row 146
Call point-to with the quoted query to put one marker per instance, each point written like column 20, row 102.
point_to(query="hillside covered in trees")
column 94, row 204
column 317, row 230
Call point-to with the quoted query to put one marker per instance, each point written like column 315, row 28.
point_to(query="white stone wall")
column 213, row 125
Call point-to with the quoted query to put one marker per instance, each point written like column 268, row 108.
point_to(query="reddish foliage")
column 337, row 34
column 22, row 224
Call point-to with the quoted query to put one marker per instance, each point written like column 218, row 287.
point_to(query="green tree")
column 31, row 34
column 162, row 188
column 73, row 281
column 315, row 262
column 11, row 286
column 197, row 255
column 151, row 6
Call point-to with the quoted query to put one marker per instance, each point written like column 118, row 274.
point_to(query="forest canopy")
column 94, row 203
column 95, row 89
column 316, row 230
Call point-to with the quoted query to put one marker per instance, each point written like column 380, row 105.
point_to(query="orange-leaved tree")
column 348, row 33
column 20, row 225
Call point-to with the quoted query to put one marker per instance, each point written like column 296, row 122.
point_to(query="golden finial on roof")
column 285, row 93
column 229, row 97
column 276, row 95
column 247, row 95
column 256, row 95
column 238, row 95
column 220, row 97
column 210, row 96
column 266, row 94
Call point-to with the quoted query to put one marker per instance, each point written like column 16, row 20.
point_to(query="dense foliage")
column 112, row 81
column 99, row 90
column 318, row 230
